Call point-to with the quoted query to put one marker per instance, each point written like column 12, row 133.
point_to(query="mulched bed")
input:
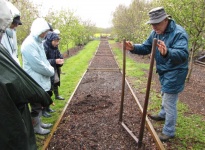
column 92, row 118
column 91, row 121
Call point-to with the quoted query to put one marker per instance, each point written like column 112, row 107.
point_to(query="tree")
column 28, row 13
column 73, row 30
column 130, row 22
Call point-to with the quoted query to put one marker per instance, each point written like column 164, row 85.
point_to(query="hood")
column 5, row 15
column 50, row 36
column 39, row 26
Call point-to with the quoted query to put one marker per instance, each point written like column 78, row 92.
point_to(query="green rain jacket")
column 17, row 89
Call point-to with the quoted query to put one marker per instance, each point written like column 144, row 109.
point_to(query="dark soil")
column 91, row 120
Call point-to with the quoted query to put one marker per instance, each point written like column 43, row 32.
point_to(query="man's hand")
column 59, row 61
column 162, row 47
column 128, row 46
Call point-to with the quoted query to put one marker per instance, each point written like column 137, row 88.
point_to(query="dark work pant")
column 36, row 108
column 55, row 90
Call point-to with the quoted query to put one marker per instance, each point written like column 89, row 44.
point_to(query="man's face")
column 159, row 28
column 55, row 43
column 14, row 25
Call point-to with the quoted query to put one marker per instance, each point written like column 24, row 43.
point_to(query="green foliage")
column 73, row 30
column 28, row 13
column 129, row 22
column 63, row 47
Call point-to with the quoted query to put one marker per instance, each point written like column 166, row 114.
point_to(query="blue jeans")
column 169, row 112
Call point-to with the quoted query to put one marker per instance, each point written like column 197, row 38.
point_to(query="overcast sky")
column 98, row 11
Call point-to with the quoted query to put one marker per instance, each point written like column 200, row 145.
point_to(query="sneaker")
column 164, row 137
column 156, row 118
column 59, row 98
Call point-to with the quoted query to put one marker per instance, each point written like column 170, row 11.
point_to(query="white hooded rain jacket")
column 35, row 62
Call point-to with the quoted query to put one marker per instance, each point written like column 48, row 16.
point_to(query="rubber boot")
column 55, row 90
column 49, row 110
column 45, row 113
column 57, row 97
column 36, row 121
column 45, row 125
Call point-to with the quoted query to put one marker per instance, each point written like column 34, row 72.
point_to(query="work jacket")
column 173, row 68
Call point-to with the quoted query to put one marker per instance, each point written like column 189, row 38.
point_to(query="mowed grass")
column 73, row 69
column 190, row 128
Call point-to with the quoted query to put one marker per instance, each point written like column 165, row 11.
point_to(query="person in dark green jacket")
column 171, row 63
column 17, row 89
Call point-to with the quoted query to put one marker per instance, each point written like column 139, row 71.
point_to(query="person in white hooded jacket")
column 37, row 66
column 9, row 39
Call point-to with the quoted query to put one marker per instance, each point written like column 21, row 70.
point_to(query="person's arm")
column 37, row 64
column 178, row 51
column 141, row 49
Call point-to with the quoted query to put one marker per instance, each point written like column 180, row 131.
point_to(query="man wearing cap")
column 9, row 39
column 171, row 64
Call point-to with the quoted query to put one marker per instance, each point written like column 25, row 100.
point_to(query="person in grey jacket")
column 37, row 66
column 9, row 39
column 171, row 64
